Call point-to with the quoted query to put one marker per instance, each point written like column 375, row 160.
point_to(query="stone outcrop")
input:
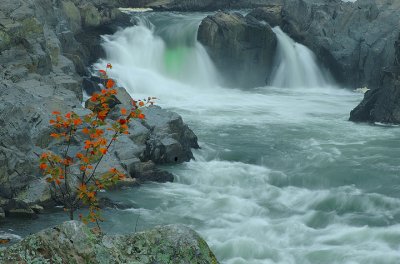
column 72, row 242
column 382, row 104
column 45, row 47
column 241, row 47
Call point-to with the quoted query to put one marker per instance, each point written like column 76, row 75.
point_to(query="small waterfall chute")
column 295, row 65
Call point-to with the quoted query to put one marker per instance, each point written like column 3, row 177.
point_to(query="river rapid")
column 282, row 176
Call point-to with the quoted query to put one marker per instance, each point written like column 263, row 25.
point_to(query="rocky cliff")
column 382, row 104
column 74, row 243
column 45, row 47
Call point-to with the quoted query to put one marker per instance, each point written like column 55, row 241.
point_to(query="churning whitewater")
column 281, row 176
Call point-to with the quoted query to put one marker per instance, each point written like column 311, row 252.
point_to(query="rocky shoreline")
column 44, row 51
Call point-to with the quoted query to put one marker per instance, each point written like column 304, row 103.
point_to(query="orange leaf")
column 141, row 103
column 77, row 122
column 55, row 113
column 110, row 83
column 68, row 115
column 123, row 111
column 4, row 241
column 54, row 135
column 103, row 151
column 43, row 166
column 141, row 116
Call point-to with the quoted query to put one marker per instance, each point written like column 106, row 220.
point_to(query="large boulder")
column 354, row 40
column 72, row 242
column 382, row 104
column 241, row 47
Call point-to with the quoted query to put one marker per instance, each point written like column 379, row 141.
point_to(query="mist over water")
column 282, row 176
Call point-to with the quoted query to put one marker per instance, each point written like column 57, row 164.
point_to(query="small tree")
column 75, row 189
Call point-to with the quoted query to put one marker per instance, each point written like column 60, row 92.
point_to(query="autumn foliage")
column 73, row 176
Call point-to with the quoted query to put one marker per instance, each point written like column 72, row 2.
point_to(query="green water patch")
column 175, row 61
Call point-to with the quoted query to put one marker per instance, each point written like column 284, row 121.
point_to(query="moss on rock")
column 72, row 242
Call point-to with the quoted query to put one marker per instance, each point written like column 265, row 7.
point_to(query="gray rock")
column 246, row 61
column 270, row 14
column 147, row 171
column 382, row 104
column 75, row 243
column 170, row 140
column 18, row 208
column 2, row 213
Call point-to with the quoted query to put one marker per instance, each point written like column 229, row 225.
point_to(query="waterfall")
column 295, row 65
column 160, row 55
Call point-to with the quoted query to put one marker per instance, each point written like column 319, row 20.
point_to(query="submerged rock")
column 241, row 47
column 72, row 242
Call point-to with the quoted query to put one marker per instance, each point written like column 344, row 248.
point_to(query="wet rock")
column 170, row 140
column 147, row 171
column 270, row 14
column 105, row 202
column 20, row 209
column 2, row 213
column 246, row 61
column 75, row 243
column 382, row 104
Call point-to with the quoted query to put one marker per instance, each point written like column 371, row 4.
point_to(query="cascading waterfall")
column 295, row 65
column 156, row 55
column 282, row 176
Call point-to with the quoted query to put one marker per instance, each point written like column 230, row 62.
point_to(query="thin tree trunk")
column 71, row 214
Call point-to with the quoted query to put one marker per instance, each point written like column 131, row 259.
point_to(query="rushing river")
column 281, row 176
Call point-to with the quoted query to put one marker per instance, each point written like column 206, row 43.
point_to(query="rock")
column 105, row 202
column 37, row 208
column 90, row 86
column 270, row 14
column 248, row 60
column 2, row 213
column 75, row 243
column 382, row 104
column 170, row 140
column 20, row 209
column 147, row 171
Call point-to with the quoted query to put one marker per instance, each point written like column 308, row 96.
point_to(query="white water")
column 282, row 176
column 295, row 65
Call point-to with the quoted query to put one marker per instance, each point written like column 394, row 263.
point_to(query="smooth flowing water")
column 281, row 176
